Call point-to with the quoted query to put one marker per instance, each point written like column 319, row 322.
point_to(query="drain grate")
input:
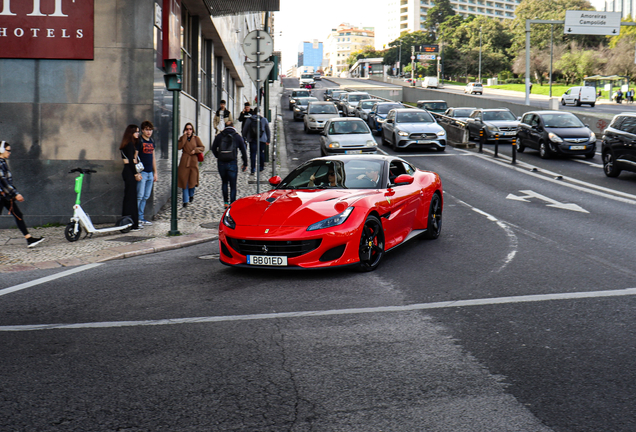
column 130, row 239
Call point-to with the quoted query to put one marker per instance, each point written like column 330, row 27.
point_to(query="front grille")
column 576, row 140
column 429, row 136
column 505, row 129
column 290, row 248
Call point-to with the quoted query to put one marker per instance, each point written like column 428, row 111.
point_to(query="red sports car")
column 333, row 211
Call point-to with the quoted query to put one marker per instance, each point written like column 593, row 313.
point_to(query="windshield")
column 435, row 105
column 367, row 104
column 462, row 112
column 323, row 174
column 307, row 76
column 301, row 93
column 348, row 127
column 305, row 101
column 414, row 117
column 499, row 116
column 358, row 98
column 562, row 121
column 336, row 94
column 323, row 109
column 383, row 109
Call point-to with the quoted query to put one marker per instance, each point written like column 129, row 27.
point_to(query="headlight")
column 333, row 221
column 334, row 145
column 492, row 128
column 555, row 138
column 371, row 143
column 311, row 119
column 441, row 133
column 593, row 137
column 402, row 133
column 296, row 109
column 292, row 101
column 228, row 221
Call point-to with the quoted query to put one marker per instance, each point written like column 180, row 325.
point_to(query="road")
column 520, row 317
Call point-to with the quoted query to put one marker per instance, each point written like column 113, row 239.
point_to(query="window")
column 206, row 67
column 186, row 49
column 629, row 125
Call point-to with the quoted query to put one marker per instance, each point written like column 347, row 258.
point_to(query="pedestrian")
column 225, row 148
column 530, row 90
column 619, row 96
column 245, row 114
column 9, row 195
column 257, row 141
column 128, row 150
column 146, row 150
column 221, row 116
column 631, row 96
column 188, row 173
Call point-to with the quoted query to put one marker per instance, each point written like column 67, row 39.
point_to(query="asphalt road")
column 520, row 317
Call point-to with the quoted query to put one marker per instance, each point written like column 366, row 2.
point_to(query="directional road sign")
column 264, row 67
column 427, row 57
column 592, row 23
column 265, row 45
column 551, row 203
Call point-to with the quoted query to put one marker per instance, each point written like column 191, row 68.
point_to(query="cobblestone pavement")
column 198, row 222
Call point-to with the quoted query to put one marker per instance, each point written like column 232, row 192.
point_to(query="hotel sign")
column 47, row 29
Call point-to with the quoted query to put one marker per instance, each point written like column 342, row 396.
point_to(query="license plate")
column 424, row 142
column 267, row 260
column 578, row 147
column 510, row 133
column 353, row 151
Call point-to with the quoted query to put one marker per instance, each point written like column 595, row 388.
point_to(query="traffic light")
column 173, row 74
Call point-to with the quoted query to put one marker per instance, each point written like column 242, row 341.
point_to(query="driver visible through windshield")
column 414, row 117
column 324, row 174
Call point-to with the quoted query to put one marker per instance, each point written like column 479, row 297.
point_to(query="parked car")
column 555, row 132
column 407, row 127
column 317, row 115
column 300, row 107
column 436, row 106
column 349, row 102
column 377, row 115
column 619, row 145
column 346, row 136
column 493, row 122
column 472, row 88
column 363, row 108
column 297, row 94
column 460, row 113
column 430, row 82
column 579, row 95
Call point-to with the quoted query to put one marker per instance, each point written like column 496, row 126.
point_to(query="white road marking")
column 334, row 312
column 40, row 281
column 551, row 202
column 592, row 164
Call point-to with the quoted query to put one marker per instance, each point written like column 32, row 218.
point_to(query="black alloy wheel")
column 609, row 165
column 371, row 249
column 520, row 146
column 70, row 233
column 544, row 151
column 434, row 223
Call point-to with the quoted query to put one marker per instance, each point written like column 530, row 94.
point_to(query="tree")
column 576, row 64
column 408, row 40
column 495, row 36
column 627, row 32
column 437, row 15
column 366, row 52
column 620, row 58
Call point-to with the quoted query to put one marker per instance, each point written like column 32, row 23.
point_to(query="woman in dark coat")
column 130, row 175
column 188, row 173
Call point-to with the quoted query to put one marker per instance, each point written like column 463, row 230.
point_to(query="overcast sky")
column 304, row 20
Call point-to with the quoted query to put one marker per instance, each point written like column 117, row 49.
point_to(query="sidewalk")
column 197, row 223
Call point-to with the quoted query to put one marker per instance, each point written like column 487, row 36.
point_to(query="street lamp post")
column 400, row 58
column 480, row 54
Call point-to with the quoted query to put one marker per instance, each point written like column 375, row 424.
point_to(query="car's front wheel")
column 371, row 249
column 520, row 146
column 544, row 151
column 434, row 223
column 609, row 165
column 563, row 102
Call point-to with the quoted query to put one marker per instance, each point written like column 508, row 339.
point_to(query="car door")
column 371, row 117
column 389, row 127
column 627, row 153
column 524, row 129
column 474, row 123
column 534, row 132
column 400, row 206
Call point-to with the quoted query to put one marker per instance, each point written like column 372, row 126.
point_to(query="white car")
column 472, row 88
column 349, row 102
column 317, row 115
column 347, row 136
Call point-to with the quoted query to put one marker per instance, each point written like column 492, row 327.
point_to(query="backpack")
column 227, row 148
column 254, row 128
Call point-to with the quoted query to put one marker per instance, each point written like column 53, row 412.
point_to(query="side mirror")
column 403, row 179
column 275, row 181
column 518, row 118
column 389, row 121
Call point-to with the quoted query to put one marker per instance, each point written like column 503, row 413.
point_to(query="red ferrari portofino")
column 333, row 211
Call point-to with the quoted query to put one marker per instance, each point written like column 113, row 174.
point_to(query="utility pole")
column 551, row 49
column 400, row 58
column 479, row 54
column 412, row 64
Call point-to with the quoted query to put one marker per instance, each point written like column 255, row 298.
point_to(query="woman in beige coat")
column 188, row 173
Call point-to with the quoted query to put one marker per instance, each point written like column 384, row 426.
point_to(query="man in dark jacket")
column 255, row 141
column 245, row 114
column 225, row 148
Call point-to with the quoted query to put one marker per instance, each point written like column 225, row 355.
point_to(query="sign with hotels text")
column 47, row 29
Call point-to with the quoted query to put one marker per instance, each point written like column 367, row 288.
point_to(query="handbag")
column 200, row 157
column 139, row 166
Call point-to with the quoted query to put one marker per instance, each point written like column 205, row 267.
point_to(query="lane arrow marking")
column 551, row 203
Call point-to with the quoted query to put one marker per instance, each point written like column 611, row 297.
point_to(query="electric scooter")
column 81, row 220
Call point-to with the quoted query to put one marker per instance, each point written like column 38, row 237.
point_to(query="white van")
column 579, row 95
column 430, row 82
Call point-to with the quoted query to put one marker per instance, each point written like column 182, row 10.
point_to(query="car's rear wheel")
column 371, row 249
column 563, row 102
column 434, row 224
column 609, row 165
column 544, row 151
column 578, row 103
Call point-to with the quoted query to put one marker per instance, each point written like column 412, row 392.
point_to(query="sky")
column 304, row 20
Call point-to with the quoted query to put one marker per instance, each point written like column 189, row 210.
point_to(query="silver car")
column 349, row 102
column 413, row 128
column 347, row 136
column 317, row 114
column 300, row 107
column 363, row 108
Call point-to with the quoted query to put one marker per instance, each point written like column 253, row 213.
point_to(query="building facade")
column 341, row 42
column 65, row 103
column 312, row 54
column 410, row 15
column 626, row 7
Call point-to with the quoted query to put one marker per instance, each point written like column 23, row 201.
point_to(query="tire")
column 609, row 165
column 434, row 222
column 520, row 146
column 563, row 102
column 322, row 152
column 544, row 151
column 123, row 221
column 441, row 149
column 592, row 105
column 305, row 127
column 578, row 103
column 69, row 232
column 384, row 142
column 483, row 139
column 371, row 249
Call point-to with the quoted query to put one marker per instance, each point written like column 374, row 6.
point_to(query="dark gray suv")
column 619, row 145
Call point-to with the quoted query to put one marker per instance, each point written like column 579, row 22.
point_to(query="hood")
column 419, row 127
column 349, row 139
column 291, row 208
column 324, row 117
column 580, row 132
column 503, row 123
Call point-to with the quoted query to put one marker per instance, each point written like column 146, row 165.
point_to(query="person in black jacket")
column 128, row 150
column 245, row 114
column 225, row 148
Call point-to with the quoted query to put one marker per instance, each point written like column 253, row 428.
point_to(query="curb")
column 115, row 253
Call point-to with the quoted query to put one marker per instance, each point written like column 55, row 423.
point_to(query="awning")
column 234, row 7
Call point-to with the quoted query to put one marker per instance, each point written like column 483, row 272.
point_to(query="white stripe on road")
column 333, row 312
column 47, row 279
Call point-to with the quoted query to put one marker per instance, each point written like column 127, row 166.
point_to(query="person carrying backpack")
column 225, row 148
column 257, row 140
